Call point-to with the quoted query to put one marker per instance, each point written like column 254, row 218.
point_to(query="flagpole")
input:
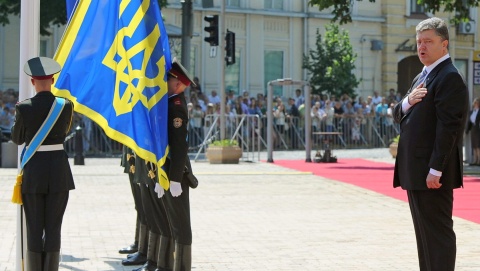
column 29, row 47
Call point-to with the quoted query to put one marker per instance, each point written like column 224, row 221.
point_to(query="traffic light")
column 230, row 48
column 212, row 29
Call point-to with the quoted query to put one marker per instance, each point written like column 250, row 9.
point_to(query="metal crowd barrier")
column 250, row 132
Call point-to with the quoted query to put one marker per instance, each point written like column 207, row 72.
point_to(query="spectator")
column 293, row 117
column 280, row 120
column 381, row 116
column 7, row 117
column 246, row 96
column 299, row 99
column 317, row 115
column 230, row 121
column 253, row 109
column 231, row 98
column 473, row 125
column 197, row 119
column 214, row 98
column 203, row 101
column 391, row 95
column 376, row 99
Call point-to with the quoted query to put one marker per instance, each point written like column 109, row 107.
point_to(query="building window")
column 273, row 68
column 233, row 3
column 416, row 8
column 274, row 4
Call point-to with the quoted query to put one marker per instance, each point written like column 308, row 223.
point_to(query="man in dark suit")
column 47, row 177
column 429, row 163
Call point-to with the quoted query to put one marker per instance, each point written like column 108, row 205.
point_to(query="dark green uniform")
column 178, row 208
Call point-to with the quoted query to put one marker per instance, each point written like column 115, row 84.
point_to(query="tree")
column 342, row 8
column 332, row 63
column 52, row 12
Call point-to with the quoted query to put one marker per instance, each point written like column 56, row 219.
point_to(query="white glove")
column 175, row 188
column 159, row 190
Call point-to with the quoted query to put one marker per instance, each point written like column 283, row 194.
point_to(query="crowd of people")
column 328, row 114
column 8, row 99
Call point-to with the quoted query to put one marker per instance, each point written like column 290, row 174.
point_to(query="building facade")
column 272, row 37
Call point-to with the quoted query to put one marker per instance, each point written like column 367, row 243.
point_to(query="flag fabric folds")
column 115, row 55
column 70, row 5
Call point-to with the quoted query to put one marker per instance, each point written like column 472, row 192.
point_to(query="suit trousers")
column 44, row 216
column 432, row 219
column 178, row 211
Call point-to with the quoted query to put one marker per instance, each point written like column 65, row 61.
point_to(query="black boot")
column 165, row 254
column 133, row 247
column 148, row 266
column 34, row 260
column 136, row 258
column 129, row 249
column 139, row 257
column 151, row 263
column 51, row 261
column 183, row 257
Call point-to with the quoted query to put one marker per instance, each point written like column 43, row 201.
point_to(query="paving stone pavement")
column 250, row 216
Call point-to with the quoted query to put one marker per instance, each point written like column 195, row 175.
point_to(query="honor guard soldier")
column 139, row 247
column 176, row 199
column 159, row 250
column 47, row 178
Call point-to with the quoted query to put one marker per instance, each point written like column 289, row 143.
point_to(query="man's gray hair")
column 437, row 24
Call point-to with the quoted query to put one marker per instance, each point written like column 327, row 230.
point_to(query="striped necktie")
column 422, row 78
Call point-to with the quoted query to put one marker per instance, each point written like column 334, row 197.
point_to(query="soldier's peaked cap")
column 179, row 72
column 41, row 68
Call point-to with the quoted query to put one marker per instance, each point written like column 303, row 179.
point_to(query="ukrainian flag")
column 115, row 54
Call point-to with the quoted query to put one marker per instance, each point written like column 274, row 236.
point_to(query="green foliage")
column 52, row 12
column 331, row 65
column 396, row 139
column 342, row 8
column 224, row 143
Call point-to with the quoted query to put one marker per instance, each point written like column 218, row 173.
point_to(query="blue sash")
column 44, row 130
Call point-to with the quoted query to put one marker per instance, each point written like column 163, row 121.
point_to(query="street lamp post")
column 221, row 42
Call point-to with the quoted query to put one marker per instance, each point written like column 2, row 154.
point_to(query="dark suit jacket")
column 46, row 171
column 431, row 132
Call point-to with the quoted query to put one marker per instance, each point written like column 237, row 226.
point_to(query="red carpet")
column 378, row 177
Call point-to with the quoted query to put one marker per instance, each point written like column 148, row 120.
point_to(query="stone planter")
column 393, row 149
column 223, row 154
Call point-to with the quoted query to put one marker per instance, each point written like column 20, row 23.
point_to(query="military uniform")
column 178, row 207
column 47, row 178
column 128, row 163
column 159, row 251
column 178, row 204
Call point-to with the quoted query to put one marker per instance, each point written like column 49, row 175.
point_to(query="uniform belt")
column 56, row 147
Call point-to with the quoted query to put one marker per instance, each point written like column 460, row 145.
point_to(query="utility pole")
column 221, row 42
column 187, row 26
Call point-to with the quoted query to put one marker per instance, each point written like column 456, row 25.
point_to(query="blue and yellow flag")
column 115, row 54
